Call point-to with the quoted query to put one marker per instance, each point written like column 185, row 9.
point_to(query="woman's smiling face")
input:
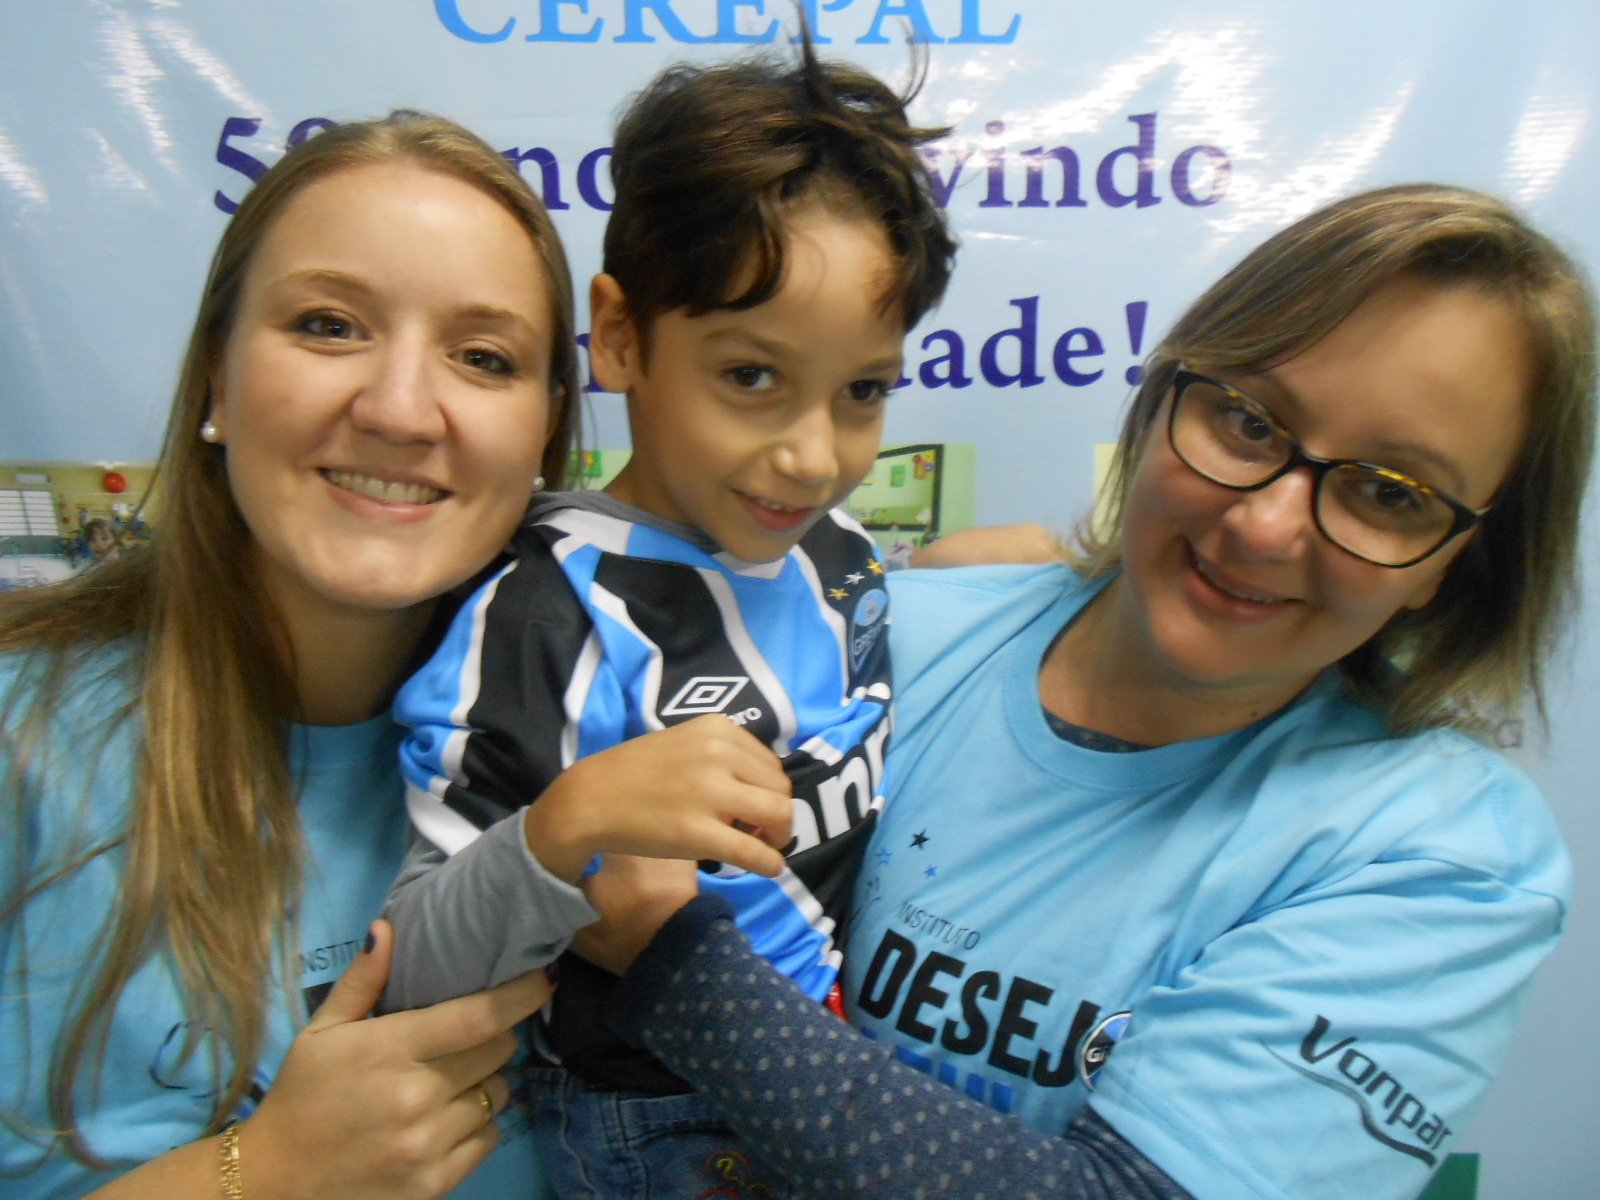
column 384, row 391
column 1239, row 591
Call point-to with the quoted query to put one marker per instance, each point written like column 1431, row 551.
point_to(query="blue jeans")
column 631, row 1146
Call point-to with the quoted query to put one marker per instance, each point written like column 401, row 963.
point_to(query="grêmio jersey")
column 1282, row 962
column 609, row 623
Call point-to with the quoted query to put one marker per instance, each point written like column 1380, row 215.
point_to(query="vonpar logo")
column 1389, row 1110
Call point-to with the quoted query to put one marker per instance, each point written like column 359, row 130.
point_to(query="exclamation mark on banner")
column 1136, row 313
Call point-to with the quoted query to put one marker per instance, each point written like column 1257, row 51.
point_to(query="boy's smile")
column 779, row 518
column 750, row 425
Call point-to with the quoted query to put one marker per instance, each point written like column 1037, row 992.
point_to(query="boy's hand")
column 703, row 789
column 634, row 896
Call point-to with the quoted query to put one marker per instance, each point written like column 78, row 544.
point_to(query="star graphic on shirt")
column 931, row 872
column 854, row 577
column 875, row 567
column 883, row 858
column 837, row 593
column 918, row 838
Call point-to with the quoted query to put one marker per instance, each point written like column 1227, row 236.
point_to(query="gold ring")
column 488, row 1104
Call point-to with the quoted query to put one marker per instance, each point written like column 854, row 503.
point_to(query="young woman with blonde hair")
column 202, row 807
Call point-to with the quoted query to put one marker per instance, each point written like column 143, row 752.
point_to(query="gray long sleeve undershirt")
column 471, row 920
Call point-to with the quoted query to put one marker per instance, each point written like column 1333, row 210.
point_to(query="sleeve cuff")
column 569, row 896
column 648, row 980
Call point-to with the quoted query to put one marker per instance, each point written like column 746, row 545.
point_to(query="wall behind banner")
column 1107, row 162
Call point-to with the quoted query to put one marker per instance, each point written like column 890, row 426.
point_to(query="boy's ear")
column 613, row 340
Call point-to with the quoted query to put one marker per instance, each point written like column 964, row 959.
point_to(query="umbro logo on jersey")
column 1390, row 1112
column 705, row 694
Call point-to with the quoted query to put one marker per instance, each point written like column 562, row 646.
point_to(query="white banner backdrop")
column 1107, row 162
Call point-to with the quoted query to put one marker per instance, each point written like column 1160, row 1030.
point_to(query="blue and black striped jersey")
column 602, row 628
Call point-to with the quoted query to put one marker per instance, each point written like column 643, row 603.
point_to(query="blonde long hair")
column 213, row 845
column 1474, row 653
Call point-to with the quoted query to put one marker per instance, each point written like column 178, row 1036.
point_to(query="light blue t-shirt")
column 1305, row 941
column 353, row 816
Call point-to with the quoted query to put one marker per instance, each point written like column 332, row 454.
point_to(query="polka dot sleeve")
column 833, row 1110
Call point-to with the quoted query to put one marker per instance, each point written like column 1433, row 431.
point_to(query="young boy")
column 772, row 240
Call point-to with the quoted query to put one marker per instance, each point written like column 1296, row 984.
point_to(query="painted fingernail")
column 372, row 940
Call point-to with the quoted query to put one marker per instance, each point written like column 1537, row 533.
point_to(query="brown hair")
column 1478, row 649
column 213, row 846
column 706, row 160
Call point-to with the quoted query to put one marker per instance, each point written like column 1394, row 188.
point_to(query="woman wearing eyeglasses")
column 1199, row 866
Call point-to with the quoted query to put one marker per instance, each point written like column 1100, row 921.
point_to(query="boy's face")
column 751, row 425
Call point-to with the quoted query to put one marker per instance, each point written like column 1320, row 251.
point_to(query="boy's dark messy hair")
column 707, row 159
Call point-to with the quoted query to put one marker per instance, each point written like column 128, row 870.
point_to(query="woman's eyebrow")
column 343, row 281
column 496, row 315
column 1426, row 454
column 1281, row 396
column 324, row 277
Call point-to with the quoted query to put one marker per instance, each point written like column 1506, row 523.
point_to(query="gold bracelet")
column 232, row 1187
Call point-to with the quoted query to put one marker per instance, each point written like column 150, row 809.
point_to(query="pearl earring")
column 210, row 433
column 538, row 483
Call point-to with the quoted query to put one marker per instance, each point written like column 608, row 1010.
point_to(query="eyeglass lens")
column 1377, row 514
